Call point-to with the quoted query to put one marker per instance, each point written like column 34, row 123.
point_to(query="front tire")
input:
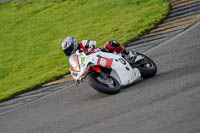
column 96, row 81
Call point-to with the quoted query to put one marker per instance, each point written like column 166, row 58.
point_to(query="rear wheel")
column 108, row 85
column 146, row 66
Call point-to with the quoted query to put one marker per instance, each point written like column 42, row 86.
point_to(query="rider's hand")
column 87, row 53
column 78, row 52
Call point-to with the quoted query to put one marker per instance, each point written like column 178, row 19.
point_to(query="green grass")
column 31, row 33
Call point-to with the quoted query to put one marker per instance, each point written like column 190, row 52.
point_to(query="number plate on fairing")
column 104, row 62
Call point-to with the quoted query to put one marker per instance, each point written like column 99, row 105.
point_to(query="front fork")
column 96, row 69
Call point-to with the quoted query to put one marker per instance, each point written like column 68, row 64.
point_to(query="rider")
column 70, row 45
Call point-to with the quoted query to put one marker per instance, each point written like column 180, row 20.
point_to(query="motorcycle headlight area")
column 75, row 74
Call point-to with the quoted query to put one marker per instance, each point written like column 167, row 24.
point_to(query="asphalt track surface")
column 166, row 103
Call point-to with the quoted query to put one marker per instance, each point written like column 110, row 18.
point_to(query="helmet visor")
column 69, row 50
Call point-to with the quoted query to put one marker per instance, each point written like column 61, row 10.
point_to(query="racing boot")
column 134, row 57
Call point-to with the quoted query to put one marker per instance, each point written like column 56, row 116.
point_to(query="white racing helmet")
column 69, row 45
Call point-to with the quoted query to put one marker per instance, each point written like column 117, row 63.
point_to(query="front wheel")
column 108, row 86
column 146, row 66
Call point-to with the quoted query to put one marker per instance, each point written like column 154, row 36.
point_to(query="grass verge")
column 31, row 33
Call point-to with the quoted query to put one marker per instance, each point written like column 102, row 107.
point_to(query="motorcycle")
column 109, row 72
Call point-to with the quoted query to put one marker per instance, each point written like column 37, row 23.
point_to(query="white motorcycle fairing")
column 120, row 68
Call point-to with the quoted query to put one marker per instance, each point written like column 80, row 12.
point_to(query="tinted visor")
column 114, row 43
column 69, row 50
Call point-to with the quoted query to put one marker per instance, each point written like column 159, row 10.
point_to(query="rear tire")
column 93, row 80
column 146, row 66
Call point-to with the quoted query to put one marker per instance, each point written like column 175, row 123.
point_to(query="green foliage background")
column 31, row 33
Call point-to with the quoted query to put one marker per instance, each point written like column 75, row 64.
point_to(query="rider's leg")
column 132, row 55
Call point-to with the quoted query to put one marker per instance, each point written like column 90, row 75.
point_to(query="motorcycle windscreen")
column 74, row 64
